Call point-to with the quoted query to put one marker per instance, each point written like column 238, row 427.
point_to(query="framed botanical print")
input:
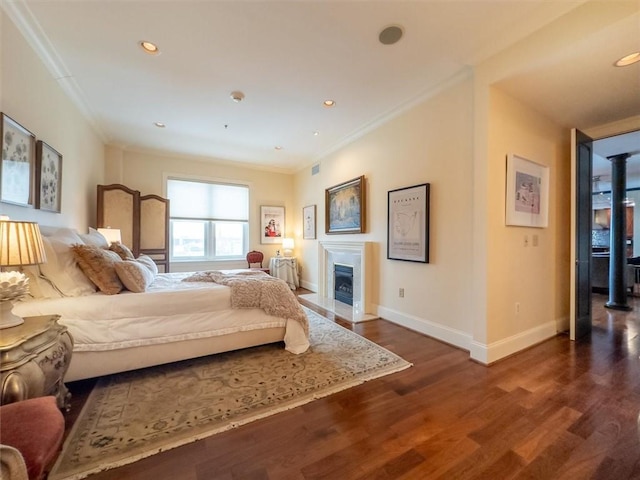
column 18, row 162
column 48, row 178
column 309, row 222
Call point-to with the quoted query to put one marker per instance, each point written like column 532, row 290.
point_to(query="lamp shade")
column 287, row 243
column 20, row 244
column 111, row 234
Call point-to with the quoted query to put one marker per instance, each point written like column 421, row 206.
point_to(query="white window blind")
column 205, row 200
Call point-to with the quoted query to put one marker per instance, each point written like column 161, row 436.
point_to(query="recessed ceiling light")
column 159, row 124
column 278, row 147
column 628, row 59
column 237, row 96
column 329, row 103
column 316, row 133
column 390, row 35
column 149, row 47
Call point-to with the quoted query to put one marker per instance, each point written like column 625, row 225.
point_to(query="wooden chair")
column 254, row 261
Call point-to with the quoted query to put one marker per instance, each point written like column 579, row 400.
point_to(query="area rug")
column 133, row 415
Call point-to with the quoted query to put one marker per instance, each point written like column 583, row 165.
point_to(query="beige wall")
column 30, row 95
column 146, row 172
column 431, row 143
column 520, row 271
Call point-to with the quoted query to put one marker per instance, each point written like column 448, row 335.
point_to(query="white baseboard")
column 309, row 286
column 443, row 333
column 508, row 346
column 479, row 352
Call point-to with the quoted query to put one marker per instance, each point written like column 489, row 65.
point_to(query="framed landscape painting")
column 527, row 193
column 345, row 207
column 18, row 162
column 408, row 224
column 272, row 222
column 48, row 178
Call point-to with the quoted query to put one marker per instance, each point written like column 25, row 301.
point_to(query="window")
column 208, row 221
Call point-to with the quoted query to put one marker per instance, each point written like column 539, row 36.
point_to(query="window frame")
column 210, row 241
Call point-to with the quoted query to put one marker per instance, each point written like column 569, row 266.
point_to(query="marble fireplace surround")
column 354, row 254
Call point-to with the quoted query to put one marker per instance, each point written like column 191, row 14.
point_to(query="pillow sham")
column 148, row 262
column 99, row 265
column 61, row 268
column 95, row 238
column 122, row 250
column 134, row 275
column 39, row 285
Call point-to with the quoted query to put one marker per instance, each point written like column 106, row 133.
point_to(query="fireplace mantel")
column 358, row 255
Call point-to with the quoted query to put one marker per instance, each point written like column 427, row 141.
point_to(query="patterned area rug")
column 133, row 415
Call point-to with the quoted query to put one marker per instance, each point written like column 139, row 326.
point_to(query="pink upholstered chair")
column 34, row 428
column 255, row 259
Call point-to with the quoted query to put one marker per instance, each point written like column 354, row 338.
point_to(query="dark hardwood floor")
column 559, row 410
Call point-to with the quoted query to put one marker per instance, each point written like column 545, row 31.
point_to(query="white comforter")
column 170, row 310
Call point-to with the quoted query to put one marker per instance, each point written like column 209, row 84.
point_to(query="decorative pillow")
column 134, row 275
column 95, row 238
column 99, row 265
column 61, row 268
column 148, row 262
column 122, row 250
column 39, row 286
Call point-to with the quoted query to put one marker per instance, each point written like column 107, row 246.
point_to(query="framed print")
column 309, row 222
column 527, row 193
column 272, row 224
column 345, row 207
column 48, row 178
column 18, row 162
column 408, row 223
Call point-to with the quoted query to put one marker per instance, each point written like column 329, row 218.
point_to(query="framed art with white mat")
column 408, row 224
column 527, row 193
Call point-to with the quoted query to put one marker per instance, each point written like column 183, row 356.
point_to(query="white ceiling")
column 288, row 57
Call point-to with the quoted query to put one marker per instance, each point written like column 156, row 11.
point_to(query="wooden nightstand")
column 34, row 358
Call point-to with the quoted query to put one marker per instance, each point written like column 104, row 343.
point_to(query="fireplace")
column 343, row 283
column 359, row 257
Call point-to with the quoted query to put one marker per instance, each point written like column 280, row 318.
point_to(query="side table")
column 285, row 268
column 34, row 358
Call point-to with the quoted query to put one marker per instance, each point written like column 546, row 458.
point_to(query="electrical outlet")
column 401, row 293
column 534, row 240
column 517, row 308
column 526, row 240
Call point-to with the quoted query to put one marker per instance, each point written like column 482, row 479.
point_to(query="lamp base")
column 7, row 317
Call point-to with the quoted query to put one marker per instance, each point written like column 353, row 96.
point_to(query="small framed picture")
column 18, row 162
column 527, row 193
column 48, row 178
column 345, row 207
column 309, row 222
column 272, row 224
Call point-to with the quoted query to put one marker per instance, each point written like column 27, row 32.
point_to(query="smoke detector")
column 237, row 96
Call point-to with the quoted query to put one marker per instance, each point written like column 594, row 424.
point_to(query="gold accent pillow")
column 122, row 250
column 134, row 275
column 99, row 265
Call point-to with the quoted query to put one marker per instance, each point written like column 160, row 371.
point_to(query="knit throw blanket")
column 257, row 290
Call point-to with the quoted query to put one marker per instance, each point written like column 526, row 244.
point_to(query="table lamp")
column 112, row 235
column 20, row 244
column 287, row 246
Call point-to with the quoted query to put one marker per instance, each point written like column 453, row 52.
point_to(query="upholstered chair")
column 31, row 436
column 254, row 261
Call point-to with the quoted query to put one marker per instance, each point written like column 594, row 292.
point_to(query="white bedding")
column 169, row 311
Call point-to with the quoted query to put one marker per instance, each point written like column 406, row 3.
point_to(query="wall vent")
column 315, row 169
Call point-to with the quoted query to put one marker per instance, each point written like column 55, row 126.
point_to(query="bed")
column 168, row 320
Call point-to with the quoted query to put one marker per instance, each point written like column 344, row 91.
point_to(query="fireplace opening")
column 343, row 283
